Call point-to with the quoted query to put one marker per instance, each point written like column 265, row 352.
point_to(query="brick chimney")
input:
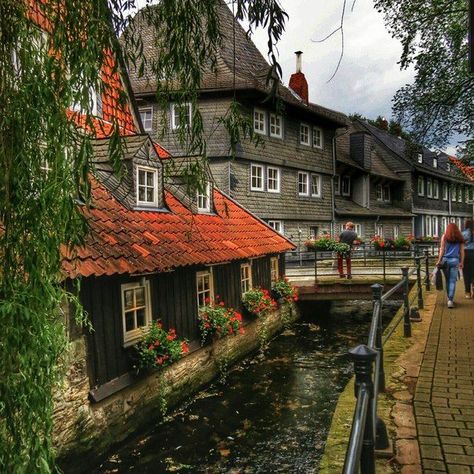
column 298, row 82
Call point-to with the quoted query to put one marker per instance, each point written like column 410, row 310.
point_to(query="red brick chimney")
column 298, row 82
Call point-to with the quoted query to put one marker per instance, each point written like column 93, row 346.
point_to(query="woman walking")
column 468, row 269
column 451, row 258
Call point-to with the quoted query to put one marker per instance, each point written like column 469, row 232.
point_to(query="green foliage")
column 393, row 127
column 282, row 288
column 258, row 301
column 216, row 319
column 434, row 36
column 328, row 244
column 159, row 348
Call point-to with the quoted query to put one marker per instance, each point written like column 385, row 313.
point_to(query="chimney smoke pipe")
column 299, row 60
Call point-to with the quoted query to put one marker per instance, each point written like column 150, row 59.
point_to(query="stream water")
column 272, row 415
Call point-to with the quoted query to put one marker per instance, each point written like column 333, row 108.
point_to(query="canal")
column 273, row 413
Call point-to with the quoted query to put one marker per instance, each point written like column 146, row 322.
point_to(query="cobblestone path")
column 444, row 396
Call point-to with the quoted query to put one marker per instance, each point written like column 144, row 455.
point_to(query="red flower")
column 241, row 330
column 151, row 347
column 159, row 360
column 157, row 343
column 184, row 347
column 207, row 300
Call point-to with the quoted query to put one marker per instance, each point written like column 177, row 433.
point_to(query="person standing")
column 348, row 235
column 468, row 269
column 451, row 258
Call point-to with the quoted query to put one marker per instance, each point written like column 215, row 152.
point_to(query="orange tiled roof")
column 466, row 169
column 121, row 240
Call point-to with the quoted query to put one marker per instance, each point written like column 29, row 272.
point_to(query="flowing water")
column 272, row 415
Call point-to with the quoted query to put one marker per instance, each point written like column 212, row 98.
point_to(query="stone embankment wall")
column 85, row 430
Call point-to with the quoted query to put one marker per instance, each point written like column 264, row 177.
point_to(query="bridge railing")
column 368, row 431
column 366, row 260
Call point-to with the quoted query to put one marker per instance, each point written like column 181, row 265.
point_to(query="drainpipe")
column 333, row 197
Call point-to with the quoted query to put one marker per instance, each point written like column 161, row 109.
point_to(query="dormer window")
column 317, row 137
column 147, row 186
column 421, row 186
column 304, row 134
column 420, row 158
column 181, row 115
column 95, row 99
column 435, row 162
column 204, row 199
column 259, row 125
column 276, row 129
column 448, row 166
column 146, row 115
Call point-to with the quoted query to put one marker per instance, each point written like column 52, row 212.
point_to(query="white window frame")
column 448, row 166
column 435, row 226
column 379, row 192
column 337, row 185
column 460, row 193
column 206, row 292
column 271, row 179
column 145, row 110
column 132, row 336
column 203, row 200
column 147, row 169
column 245, row 278
column 277, row 127
column 428, row 226
column 308, row 129
column 319, row 184
column 358, row 229
column 466, row 194
column 435, row 162
column 274, row 268
column 429, row 188
column 386, row 188
column 396, row 231
column 453, row 192
column 445, row 187
column 435, row 189
column 276, row 225
column 379, row 230
column 305, row 175
column 259, row 121
column 313, row 231
column 420, row 157
column 95, row 98
column 319, row 145
column 444, row 224
column 345, row 179
column 421, row 181
column 174, row 124
column 255, row 166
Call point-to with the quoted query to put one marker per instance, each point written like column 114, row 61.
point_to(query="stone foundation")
column 84, row 430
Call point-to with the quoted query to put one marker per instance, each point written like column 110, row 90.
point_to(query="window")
column 276, row 129
column 245, row 278
column 435, row 189
column 337, row 184
column 421, row 186
column 453, row 192
column 466, row 195
column 386, row 193
column 358, row 230
column 147, row 186
column 459, row 193
column 273, row 179
column 429, row 187
column 304, row 134
column 346, row 185
column 396, row 231
column 205, row 287
column 420, row 157
column 445, row 191
column 315, row 185
column 428, row 226
column 435, row 162
column 136, row 311
column 459, row 222
column 303, row 183
column 444, row 224
column 317, row 137
column 259, row 121
column 276, row 225
column 256, row 177
column 204, row 199
column 146, row 115
column 379, row 192
column 274, row 268
column 313, row 232
column 452, row 220
column 180, row 115
column 435, row 226
column 448, row 166
column 95, row 98
column 379, row 230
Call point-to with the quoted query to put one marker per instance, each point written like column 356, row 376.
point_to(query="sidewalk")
column 444, row 396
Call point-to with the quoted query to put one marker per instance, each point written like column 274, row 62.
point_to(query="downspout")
column 333, row 196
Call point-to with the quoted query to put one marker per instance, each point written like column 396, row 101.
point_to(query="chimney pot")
column 299, row 60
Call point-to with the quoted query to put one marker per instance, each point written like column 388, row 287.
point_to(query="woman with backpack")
column 451, row 258
column 468, row 270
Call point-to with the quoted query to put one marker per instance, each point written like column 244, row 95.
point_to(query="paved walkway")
column 444, row 396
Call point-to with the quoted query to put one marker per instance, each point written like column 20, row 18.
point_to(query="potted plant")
column 258, row 301
column 378, row 242
column 159, row 348
column 402, row 243
column 283, row 290
column 324, row 243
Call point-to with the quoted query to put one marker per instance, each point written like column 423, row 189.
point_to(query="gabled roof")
column 122, row 241
column 251, row 68
column 467, row 170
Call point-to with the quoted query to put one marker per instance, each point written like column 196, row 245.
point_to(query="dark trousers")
column 340, row 264
column 468, row 270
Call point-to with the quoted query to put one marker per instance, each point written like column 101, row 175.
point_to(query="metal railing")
column 368, row 431
column 365, row 260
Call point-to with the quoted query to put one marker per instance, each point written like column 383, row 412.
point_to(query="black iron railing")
column 368, row 431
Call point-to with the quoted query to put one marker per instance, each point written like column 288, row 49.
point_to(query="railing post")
column 315, row 267
column 419, row 284
column 363, row 358
column 377, row 297
column 406, row 304
column 383, row 263
column 427, row 270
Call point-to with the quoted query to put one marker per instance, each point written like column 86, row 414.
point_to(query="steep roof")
column 345, row 206
column 467, row 170
column 121, row 240
column 251, row 68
